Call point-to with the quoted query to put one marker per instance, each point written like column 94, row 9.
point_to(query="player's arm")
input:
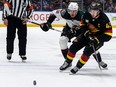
column 6, row 11
column 107, row 35
column 55, row 14
column 29, row 12
column 46, row 26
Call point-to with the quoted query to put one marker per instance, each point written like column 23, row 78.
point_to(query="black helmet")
column 95, row 6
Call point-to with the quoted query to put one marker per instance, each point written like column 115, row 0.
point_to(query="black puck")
column 34, row 82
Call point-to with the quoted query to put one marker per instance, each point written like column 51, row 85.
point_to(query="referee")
column 21, row 11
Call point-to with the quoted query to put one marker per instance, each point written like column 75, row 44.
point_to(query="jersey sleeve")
column 58, row 13
column 29, row 10
column 107, row 34
column 55, row 14
column 5, row 13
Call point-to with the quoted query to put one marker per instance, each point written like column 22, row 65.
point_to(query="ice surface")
column 44, row 60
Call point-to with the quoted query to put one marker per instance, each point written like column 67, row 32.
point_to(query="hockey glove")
column 93, row 40
column 76, row 27
column 45, row 26
column 87, row 33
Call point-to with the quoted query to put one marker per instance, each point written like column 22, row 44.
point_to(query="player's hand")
column 76, row 27
column 87, row 33
column 45, row 26
column 5, row 22
column 25, row 20
column 93, row 40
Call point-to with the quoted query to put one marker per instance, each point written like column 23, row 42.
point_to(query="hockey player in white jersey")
column 72, row 15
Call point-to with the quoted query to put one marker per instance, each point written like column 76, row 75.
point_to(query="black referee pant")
column 13, row 24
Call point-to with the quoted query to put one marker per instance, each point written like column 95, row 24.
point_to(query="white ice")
column 44, row 60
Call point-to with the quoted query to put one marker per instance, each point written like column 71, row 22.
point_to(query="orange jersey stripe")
column 9, row 5
column 30, row 8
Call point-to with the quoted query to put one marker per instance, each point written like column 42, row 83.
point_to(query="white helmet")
column 73, row 6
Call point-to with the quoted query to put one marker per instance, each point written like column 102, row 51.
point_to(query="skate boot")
column 74, row 70
column 23, row 57
column 65, row 65
column 9, row 56
column 102, row 64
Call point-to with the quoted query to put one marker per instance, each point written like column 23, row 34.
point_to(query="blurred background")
column 49, row 5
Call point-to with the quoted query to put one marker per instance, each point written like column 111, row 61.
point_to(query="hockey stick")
column 92, row 45
column 9, row 13
column 96, row 56
column 40, row 24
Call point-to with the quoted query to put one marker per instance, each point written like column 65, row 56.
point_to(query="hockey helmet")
column 94, row 9
column 95, row 6
column 73, row 6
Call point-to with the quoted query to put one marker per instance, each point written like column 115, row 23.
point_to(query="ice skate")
column 23, row 57
column 9, row 56
column 102, row 64
column 65, row 65
column 74, row 70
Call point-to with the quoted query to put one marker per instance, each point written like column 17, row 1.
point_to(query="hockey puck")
column 34, row 82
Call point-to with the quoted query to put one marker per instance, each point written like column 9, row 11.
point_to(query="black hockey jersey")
column 100, row 27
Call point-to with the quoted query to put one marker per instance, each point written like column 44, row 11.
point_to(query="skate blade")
column 24, row 61
column 70, row 73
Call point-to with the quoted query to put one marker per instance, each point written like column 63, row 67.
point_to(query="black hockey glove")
column 87, row 33
column 93, row 40
column 45, row 26
column 76, row 27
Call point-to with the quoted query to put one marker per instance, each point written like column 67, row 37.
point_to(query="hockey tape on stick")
column 7, row 9
column 40, row 24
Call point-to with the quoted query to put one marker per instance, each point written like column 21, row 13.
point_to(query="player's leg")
column 11, row 30
column 102, row 64
column 22, row 36
column 77, row 45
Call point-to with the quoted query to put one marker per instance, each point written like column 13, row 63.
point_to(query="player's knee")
column 63, row 42
column 87, row 53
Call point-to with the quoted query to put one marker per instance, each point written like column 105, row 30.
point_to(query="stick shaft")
column 40, row 24
column 96, row 57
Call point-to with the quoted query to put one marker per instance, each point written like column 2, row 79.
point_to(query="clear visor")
column 94, row 13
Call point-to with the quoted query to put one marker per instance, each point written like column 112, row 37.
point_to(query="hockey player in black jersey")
column 72, row 15
column 96, row 30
